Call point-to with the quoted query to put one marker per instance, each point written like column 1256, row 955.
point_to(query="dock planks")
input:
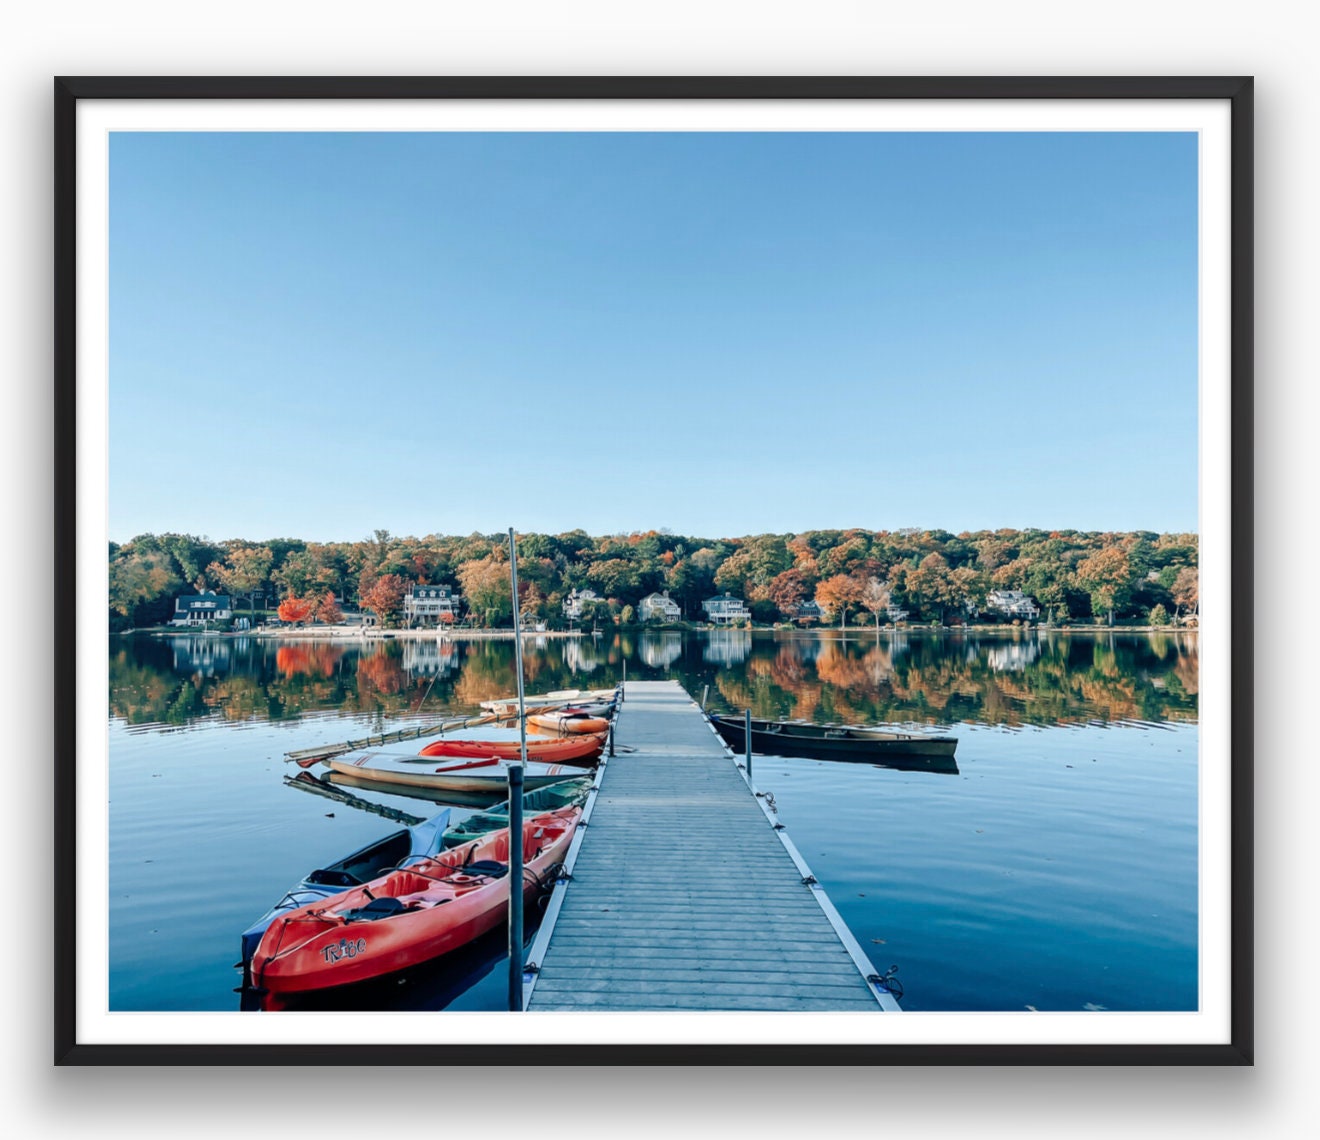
column 683, row 895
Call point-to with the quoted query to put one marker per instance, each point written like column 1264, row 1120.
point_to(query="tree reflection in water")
column 1031, row 677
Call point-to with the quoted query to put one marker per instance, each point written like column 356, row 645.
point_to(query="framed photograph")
column 827, row 499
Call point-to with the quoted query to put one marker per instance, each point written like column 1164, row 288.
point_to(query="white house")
column 725, row 609
column 576, row 602
column 1014, row 603
column 431, row 605
column 659, row 607
column 201, row 609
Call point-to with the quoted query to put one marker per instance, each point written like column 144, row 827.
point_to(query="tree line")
column 853, row 575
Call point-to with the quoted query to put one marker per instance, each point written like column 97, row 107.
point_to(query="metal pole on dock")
column 516, row 805
column 515, row 887
column 705, row 692
column 747, row 733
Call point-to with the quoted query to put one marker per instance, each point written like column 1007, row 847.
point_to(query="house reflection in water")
column 1012, row 658
column 209, row 656
column 660, row 648
column 727, row 647
column 580, row 655
column 426, row 658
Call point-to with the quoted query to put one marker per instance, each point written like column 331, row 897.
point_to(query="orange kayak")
column 570, row 723
column 558, row 751
column 407, row 916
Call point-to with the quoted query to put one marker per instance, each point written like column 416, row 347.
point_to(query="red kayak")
column 407, row 916
column 558, row 751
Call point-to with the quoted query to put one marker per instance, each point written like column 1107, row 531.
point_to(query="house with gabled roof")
column 725, row 609
column 659, row 607
column 431, row 605
column 201, row 609
column 1012, row 603
column 577, row 600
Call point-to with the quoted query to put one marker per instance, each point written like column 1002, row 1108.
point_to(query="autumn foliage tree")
column 786, row 591
column 487, row 589
column 384, row 597
column 295, row 610
column 837, row 593
column 1186, row 590
column 1107, row 574
column 327, row 609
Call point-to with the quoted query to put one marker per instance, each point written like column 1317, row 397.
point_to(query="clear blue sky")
column 315, row 335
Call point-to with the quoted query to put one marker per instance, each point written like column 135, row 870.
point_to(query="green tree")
column 141, row 586
column 244, row 571
column 928, row 584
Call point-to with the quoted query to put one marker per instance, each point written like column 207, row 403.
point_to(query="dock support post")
column 612, row 736
column 747, row 737
column 705, row 692
column 516, row 802
column 515, row 887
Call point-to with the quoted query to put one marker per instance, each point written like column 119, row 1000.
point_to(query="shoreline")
column 341, row 633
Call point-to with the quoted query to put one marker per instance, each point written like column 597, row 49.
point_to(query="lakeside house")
column 576, row 601
column 808, row 610
column 725, row 609
column 1013, row 603
column 896, row 614
column 431, row 605
column 201, row 609
column 659, row 607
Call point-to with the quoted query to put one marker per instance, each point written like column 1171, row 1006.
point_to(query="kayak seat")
column 324, row 878
column 374, row 910
column 401, row 883
column 489, row 867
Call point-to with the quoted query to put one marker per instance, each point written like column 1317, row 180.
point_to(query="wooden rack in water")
column 304, row 757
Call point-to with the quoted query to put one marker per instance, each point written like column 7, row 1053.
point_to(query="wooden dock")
column 683, row 893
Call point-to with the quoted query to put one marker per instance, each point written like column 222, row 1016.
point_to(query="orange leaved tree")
column 295, row 610
column 327, row 609
column 384, row 597
column 837, row 593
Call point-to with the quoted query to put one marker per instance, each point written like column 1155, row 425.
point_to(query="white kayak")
column 488, row 775
column 557, row 699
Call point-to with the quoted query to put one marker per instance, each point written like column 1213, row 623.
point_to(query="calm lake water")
column 1057, row 869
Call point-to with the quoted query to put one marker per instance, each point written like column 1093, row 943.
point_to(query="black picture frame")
column 1237, row 92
